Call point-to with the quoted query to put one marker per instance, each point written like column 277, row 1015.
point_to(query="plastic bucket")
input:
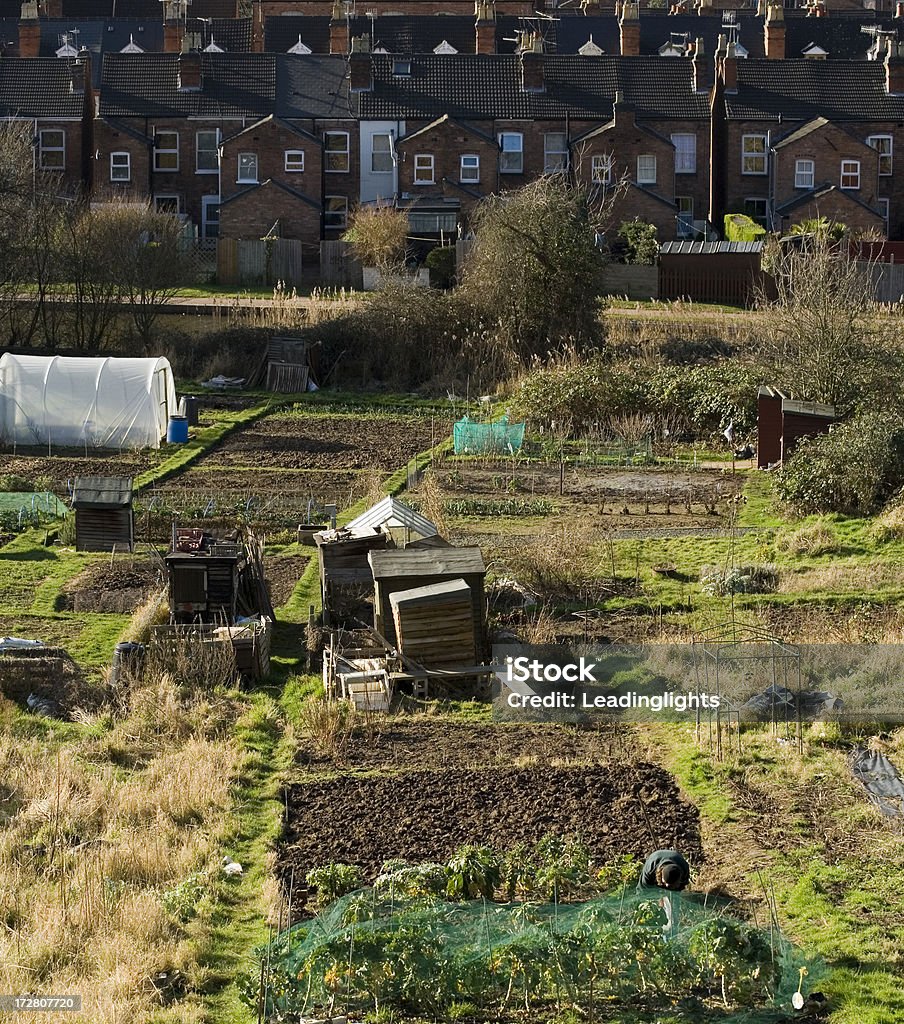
column 177, row 430
column 126, row 656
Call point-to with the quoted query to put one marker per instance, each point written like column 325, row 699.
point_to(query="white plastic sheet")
column 80, row 402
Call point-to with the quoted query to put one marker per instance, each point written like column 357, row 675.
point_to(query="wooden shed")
column 435, row 624
column 414, row 568
column 728, row 272
column 782, row 421
column 204, row 584
column 104, row 518
column 345, row 576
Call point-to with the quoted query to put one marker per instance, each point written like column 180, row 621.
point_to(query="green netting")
column 499, row 438
column 642, row 956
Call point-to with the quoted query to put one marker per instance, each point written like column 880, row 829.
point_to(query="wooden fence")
column 254, row 261
column 886, row 279
column 728, row 280
column 338, row 267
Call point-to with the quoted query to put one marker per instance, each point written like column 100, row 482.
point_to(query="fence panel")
column 285, row 264
column 338, row 267
column 252, row 261
column 886, row 280
column 228, row 261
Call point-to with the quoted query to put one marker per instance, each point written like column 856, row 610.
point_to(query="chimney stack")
column 622, row 111
column 79, row 70
column 899, row 9
column 730, row 68
column 702, row 77
column 894, row 68
column 629, row 29
column 360, row 69
column 485, row 10
column 339, row 40
column 189, row 65
column 775, row 33
column 29, row 30
column 532, row 79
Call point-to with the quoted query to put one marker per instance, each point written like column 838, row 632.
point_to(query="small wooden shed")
column 204, row 584
column 414, row 568
column 104, row 518
column 782, row 421
column 435, row 624
column 345, row 576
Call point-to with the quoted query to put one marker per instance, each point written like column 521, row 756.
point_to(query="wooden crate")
column 435, row 625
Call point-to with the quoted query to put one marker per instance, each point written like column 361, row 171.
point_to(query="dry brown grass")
column 841, row 578
column 96, row 837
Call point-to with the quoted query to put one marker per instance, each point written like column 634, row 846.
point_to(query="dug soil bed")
column 420, row 741
column 195, row 486
column 312, row 442
column 616, row 810
column 282, row 575
column 119, row 588
column 59, row 469
column 593, row 484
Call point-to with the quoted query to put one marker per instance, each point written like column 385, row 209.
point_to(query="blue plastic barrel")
column 177, row 430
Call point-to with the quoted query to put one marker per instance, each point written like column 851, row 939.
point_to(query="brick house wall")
column 835, row 205
column 252, row 212
column 270, row 8
column 48, row 156
column 270, row 140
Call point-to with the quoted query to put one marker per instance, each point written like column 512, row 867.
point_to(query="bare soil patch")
column 282, row 575
column 66, row 464
column 119, row 588
column 615, row 809
column 313, row 442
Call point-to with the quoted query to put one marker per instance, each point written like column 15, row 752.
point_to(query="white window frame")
column 850, row 169
column 45, row 149
column 326, row 213
column 471, row 179
column 754, row 154
column 685, row 162
column 167, row 197
column 127, row 166
column 375, row 153
column 802, row 175
column 207, row 204
column 424, row 169
column 215, row 132
column 509, row 153
column 886, row 156
column 555, row 158
column 293, row 161
column 685, row 219
column 242, row 178
column 601, row 165
column 647, row 177
column 159, row 152
column 329, row 154
column 884, row 205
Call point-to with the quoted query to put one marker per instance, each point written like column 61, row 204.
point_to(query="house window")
column 166, row 151
column 685, row 153
column 753, row 154
column 470, row 168
column 247, row 168
column 429, row 223
column 883, row 145
column 601, row 169
column 804, row 173
column 401, row 68
column 883, row 207
column 52, row 149
column 555, row 152
column 850, row 174
column 511, row 160
column 335, row 212
column 423, row 169
column 166, row 204
column 294, row 161
column 381, row 154
column 755, row 209
column 685, row 216
column 120, row 167
column 207, row 157
column 210, row 216
column 646, row 169
column 335, row 145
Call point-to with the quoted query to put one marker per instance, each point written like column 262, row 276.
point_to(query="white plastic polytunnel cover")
column 69, row 401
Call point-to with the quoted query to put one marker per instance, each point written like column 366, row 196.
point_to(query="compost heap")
column 379, row 949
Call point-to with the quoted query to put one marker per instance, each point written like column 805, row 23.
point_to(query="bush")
column 333, row 881
column 441, row 264
column 741, row 579
column 813, row 539
column 636, row 242
column 854, row 469
column 740, row 228
column 890, row 524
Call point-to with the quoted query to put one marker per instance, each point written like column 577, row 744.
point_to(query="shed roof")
column 426, row 562
column 435, row 593
column 709, row 248
column 392, row 513
column 102, row 492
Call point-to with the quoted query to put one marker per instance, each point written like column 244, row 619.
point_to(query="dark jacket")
column 660, row 859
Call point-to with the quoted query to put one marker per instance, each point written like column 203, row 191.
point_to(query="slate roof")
column 483, row 87
column 9, row 35
column 146, row 85
column 841, row 38
column 35, row 87
column 272, row 183
column 10, row 9
column 100, row 37
column 282, row 31
column 150, row 9
column 824, row 190
column 314, row 85
column 231, row 34
column 801, row 90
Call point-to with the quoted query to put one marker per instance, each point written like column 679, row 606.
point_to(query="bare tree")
column 822, row 339
column 379, row 238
